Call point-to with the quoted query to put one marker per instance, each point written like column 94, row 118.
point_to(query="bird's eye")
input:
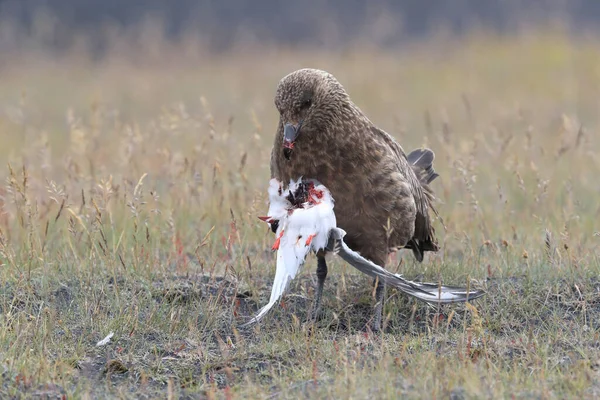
column 306, row 103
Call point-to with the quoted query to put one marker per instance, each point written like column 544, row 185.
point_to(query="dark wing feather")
column 423, row 195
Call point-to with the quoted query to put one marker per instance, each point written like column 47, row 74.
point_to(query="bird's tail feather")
column 421, row 161
column 428, row 292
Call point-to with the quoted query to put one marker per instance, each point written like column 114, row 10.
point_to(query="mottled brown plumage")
column 367, row 172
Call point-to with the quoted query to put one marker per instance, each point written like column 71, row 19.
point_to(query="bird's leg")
column 321, row 275
column 379, row 299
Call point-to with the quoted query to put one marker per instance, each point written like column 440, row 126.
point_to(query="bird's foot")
column 315, row 313
column 379, row 300
column 376, row 326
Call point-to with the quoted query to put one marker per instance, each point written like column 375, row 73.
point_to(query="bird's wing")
column 429, row 292
column 420, row 191
column 289, row 260
column 304, row 230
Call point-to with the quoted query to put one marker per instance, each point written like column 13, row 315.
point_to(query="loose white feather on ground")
column 106, row 340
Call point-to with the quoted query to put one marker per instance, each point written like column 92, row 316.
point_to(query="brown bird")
column 382, row 198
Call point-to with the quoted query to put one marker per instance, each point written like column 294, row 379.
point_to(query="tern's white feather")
column 278, row 204
column 299, row 231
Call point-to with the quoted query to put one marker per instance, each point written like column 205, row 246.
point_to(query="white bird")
column 303, row 219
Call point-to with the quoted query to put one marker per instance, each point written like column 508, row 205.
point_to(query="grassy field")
column 131, row 190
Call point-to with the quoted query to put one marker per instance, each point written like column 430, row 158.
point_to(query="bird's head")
column 308, row 101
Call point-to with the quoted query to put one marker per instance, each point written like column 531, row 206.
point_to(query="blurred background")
column 58, row 24
column 506, row 92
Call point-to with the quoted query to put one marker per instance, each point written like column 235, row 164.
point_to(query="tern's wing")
column 299, row 233
column 429, row 292
column 288, row 265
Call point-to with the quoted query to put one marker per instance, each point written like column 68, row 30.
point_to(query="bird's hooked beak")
column 290, row 134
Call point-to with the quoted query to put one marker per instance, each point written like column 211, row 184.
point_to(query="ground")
column 130, row 205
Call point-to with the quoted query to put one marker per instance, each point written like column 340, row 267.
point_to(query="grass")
column 132, row 188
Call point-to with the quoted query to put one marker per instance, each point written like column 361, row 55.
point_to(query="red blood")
column 314, row 195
